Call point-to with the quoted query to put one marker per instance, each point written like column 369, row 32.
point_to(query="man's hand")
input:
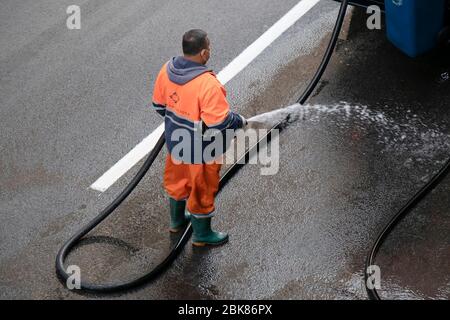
column 244, row 121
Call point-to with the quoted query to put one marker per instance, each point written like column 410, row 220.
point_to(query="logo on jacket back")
column 174, row 97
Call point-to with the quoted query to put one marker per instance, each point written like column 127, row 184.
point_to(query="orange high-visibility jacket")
column 192, row 100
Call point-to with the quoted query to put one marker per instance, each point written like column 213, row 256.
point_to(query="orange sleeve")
column 214, row 105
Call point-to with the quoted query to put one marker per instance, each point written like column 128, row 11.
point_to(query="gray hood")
column 181, row 70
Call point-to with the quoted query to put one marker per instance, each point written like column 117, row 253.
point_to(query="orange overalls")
column 189, row 96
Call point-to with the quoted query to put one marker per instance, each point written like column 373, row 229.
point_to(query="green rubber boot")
column 204, row 236
column 179, row 217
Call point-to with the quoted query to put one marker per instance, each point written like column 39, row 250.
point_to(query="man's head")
column 196, row 46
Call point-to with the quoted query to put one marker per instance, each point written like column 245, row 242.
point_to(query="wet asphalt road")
column 376, row 130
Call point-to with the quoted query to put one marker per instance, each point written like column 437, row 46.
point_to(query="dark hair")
column 194, row 41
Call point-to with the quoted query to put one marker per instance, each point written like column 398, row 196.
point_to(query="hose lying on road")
column 75, row 239
column 407, row 208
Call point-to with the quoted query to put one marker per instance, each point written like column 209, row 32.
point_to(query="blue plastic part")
column 413, row 26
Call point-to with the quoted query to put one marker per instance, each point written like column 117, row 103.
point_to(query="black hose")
column 407, row 208
column 65, row 250
column 328, row 53
column 68, row 246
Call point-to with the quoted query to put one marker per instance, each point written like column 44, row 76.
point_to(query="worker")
column 192, row 100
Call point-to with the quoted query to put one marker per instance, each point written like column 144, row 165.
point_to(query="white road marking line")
column 128, row 161
column 265, row 40
column 225, row 75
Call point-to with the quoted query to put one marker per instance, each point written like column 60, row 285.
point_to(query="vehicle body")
column 414, row 26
